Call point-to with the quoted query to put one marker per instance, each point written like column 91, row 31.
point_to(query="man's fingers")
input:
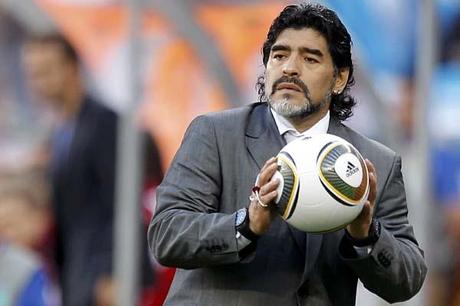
column 269, row 187
column 372, row 182
column 267, row 173
column 364, row 215
column 268, row 163
column 267, row 192
column 370, row 166
column 269, row 197
column 373, row 188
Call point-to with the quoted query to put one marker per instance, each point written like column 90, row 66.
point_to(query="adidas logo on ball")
column 351, row 169
column 324, row 183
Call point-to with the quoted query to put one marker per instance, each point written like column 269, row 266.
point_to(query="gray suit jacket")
column 210, row 179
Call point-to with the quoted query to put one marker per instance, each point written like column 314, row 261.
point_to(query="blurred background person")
column 82, row 167
column 25, row 274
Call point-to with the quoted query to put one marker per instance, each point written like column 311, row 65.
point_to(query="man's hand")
column 261, row 217
column 105, row 291
column 359, row 228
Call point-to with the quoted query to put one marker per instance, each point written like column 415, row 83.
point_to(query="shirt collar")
column 284, row 126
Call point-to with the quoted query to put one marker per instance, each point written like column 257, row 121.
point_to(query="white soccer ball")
column 324, row 183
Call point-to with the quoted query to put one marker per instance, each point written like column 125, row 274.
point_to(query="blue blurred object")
column 444, row 114
column 446, row 174
column 444, row 110
column 448, row 11
column 383, row 31
column 34, row 294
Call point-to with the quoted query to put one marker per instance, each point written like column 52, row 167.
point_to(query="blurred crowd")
column 57, row 181
column 58, row 142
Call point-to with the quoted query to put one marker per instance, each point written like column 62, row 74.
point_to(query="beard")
column 289, row 110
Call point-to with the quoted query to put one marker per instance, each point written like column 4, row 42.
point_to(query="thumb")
column 366, row 212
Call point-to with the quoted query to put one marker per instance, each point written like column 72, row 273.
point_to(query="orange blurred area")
column 178, row 86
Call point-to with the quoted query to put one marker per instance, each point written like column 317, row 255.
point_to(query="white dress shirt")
column 289, row 132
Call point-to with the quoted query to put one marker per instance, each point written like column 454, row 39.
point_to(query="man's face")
column 300, row 76
column 47, row 70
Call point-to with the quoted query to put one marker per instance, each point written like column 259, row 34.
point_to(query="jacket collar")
column 262, row 137
column 338, row 129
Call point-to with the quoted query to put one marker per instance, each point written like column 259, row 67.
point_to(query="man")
column 83, row 153
column 83, row 148
column 235, row 251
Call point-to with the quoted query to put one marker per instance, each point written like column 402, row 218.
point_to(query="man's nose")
column 291, row 67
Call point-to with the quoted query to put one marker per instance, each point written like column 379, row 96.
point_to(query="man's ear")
column 341, row 80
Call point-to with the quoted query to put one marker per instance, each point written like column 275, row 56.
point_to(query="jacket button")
column 383, row 259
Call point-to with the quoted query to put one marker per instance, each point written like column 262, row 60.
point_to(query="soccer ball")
column 324, row 183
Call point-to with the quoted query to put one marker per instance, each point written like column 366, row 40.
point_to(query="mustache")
column 293, row 80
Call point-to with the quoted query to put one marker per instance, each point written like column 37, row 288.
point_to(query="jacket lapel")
column 264, row 141
column 262, row 137
column 336, row 128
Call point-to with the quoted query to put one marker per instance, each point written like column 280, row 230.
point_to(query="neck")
column 71, row 101
column 302, row 124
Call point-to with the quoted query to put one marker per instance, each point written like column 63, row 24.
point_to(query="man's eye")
column 311, row 60
column 278, row 56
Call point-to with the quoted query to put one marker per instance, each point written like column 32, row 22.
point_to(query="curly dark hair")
column 326, row 22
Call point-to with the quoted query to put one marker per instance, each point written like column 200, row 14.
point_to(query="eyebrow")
column 316, row 52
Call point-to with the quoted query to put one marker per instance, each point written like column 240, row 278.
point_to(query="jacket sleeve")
column 187, row 231
column 395, row 268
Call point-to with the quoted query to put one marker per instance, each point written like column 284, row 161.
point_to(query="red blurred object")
column 156, row 294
